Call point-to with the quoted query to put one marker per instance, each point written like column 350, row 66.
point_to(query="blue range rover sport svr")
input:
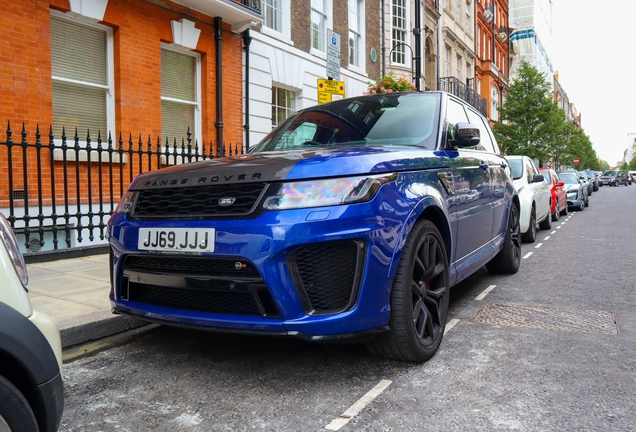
column 351, row 219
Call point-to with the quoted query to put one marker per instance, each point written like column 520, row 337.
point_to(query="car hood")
column 293, row 165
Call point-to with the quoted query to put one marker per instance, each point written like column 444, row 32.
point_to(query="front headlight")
column 327, row 192
column 126, row 202
column 11, row 243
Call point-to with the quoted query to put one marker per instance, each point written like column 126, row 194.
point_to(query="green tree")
column 604, row 165
column 632, row 164
column 532, row 124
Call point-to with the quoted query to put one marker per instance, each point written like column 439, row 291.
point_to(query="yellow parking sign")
column 329, row 90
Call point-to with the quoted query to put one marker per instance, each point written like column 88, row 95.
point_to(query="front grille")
column 229, row 286
column 327, row 275
column 198, row 202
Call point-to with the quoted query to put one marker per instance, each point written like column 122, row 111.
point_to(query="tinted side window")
column 531, row 170
column 455, row 113
column 485, row 140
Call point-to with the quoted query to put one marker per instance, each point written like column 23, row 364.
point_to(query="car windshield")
column 610, row 173
column 583, row 175
column 516, row 165
column 397, row 119
column 568, row 177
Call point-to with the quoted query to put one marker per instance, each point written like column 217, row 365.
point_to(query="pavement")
column 75, row 293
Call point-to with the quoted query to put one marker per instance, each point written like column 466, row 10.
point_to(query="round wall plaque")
column 374, row 55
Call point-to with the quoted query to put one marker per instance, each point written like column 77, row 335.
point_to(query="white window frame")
column 469, row 21
column 361, row 7
column 196, row 134
column 327, row 16
column 402, row 32
column 285, row 31
column 447, row 69
column 109, row 87
column 289, row 110
column 458, row 68
column 494, row 103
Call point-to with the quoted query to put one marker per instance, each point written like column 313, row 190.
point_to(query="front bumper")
column 318, row 274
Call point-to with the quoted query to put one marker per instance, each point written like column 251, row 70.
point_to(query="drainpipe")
column 417, row 33
column 218, row 35
column 247, row 40
column 437, row 36
column 383, row 41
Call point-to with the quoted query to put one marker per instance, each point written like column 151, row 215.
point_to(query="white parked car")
column 534, row 195
column 31, row 387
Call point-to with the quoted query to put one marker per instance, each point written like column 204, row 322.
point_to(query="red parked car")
column 559, row 196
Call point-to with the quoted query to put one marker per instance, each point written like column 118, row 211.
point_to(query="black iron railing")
column 458, row 88
column 253, row 5
column 62, row 192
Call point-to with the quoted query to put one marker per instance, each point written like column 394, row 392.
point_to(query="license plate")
column 176, row 240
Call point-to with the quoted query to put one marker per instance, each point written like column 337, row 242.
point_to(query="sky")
column 594, row 51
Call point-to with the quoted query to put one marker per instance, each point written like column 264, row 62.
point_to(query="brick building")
column 492, row 53
column 288, row 54
column 131, row 68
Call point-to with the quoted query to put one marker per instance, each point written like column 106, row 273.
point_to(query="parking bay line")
column 527, row 255
column 538, row 245
column 450, row 325
column 485, row 292
column 559, row 227
column 546, row 238
column 553, row 232
column 358, row 406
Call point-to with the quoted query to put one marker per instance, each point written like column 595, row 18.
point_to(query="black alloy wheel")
column 509, row 258
column 582, row 205
column 419, row 298
column 531, row 235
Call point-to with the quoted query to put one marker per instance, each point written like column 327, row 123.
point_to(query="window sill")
column 277, row 35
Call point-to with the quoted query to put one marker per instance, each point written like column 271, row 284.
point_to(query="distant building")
column 531, row 37
column 491, row 50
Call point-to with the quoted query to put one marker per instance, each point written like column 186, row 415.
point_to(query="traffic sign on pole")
column 329, row 90
column 333, row 55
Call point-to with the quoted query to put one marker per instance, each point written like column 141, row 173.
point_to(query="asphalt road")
column 539, row 351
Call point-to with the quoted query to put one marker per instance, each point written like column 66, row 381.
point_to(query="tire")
column 582, row 206
column 15, row 411
column 564, row 212
column 531, row 235
column 587, row 202
column 546, row 223
column 557, row 212
column 509, row 258
column 419, row 298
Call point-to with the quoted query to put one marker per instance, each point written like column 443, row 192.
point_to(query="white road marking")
column 559, row 227
column 485, row 293
column 553, row 232
column 538, row 245
column 527, row 255
column 450, row 325
column 358, row 406
column 546, row 238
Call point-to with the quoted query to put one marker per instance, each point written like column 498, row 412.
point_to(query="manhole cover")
column 597, row 322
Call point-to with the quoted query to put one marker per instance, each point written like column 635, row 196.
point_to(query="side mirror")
column 538, row 178
column 466, row 135
column 560, row 183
